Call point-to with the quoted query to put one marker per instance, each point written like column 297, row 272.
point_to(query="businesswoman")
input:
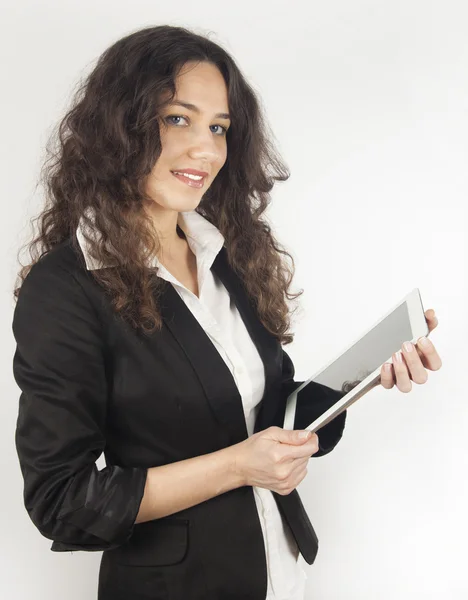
column 149, row 327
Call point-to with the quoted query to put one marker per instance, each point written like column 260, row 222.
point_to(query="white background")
column 368, row 104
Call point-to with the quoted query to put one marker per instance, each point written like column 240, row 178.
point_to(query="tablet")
column 357, row 369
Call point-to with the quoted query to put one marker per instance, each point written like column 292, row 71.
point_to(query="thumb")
column 295, row 436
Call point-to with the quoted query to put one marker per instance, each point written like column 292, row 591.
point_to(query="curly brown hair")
column 102, row 151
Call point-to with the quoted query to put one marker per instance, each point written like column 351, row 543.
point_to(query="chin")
column 182, row 205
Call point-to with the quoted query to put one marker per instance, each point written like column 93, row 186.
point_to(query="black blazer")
column 91, row 384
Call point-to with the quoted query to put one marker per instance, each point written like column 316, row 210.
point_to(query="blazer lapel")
column 215, row 377
column 267, row 344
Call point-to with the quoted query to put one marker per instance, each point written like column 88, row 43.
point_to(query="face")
column 191, row 138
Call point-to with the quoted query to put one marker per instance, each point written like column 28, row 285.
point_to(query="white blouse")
column 219, row 317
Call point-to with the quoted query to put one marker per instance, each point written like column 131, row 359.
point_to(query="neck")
column 171, row 236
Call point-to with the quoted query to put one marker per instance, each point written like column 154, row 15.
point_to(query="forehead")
column 202, row 84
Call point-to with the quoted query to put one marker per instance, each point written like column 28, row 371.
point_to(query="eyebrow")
column 197, row 110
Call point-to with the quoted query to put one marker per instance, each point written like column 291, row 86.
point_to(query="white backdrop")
column 368, row 103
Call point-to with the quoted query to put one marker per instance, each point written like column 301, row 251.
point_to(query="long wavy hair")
column 101, row 153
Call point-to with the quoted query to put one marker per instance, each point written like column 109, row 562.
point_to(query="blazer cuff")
column 113, row 498
column 330, row 434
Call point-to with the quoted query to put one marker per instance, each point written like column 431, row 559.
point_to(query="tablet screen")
column 368, row 353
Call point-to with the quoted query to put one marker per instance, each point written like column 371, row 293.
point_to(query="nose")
column 203, row 146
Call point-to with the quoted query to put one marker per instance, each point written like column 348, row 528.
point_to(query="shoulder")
column 55, row 324
column 65, row 257
column 63, row 263
column 57, row 277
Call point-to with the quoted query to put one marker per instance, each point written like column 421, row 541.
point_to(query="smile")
column 196, row 182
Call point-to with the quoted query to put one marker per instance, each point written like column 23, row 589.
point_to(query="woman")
column 150, row 329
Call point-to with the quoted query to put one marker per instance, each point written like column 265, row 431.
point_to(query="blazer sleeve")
column 61, row 427
column 318, row 399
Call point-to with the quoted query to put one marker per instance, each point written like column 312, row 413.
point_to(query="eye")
column 174, row 117
column 224, row 129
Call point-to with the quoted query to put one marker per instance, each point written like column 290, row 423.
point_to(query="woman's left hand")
column 411, row 362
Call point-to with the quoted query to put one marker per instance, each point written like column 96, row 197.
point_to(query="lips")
column 191, row 172
column 190, row 182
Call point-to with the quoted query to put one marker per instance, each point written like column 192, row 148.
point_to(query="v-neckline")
column 190, row 279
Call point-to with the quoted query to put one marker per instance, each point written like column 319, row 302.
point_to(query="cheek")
column 173, row 145
column 222, row 154
column 169, row 149
column 170, row 155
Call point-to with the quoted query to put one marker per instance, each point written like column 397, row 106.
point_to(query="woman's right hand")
column 275, row 459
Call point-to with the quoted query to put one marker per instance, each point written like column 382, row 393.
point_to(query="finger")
column 297, row 470
column 402, row 377
column 387, row 376
column 416, row 370
column 428, row 354
column 431, row 319
column 300, row 462
column 303, row 451
column 297, row 467
column 292, row 480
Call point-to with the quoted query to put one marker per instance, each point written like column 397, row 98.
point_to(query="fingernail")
column 387, row 367
column 424, row 342
column 398, row 357
column 408, row 346
column 304, row 434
